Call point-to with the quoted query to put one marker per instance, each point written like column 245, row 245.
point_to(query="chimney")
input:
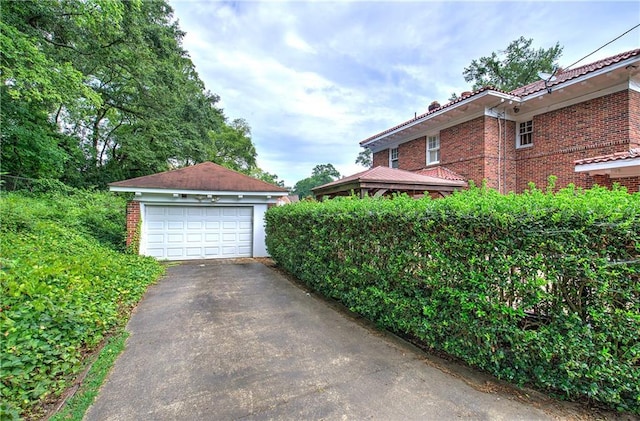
column 434, row 106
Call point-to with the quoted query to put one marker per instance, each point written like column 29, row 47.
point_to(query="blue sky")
column 314, row 78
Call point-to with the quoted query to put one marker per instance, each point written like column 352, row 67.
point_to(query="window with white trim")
column 393, row 157
column 525, row 134
column 433, row 149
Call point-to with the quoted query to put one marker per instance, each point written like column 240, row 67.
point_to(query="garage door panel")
column 211, row 251
column 175, row 252
column 155, row 225
column 244, row 249
column 194, row 225
column 192, row 232
column 175, row 238
column 194, row 238
column 155, row 210
column 229, row 237
column 212, row 212
column 229, row 212
column 194, row 251
column 155, row 238
column 211, row 237
column 175, row 225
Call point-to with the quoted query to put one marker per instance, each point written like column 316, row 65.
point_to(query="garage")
column 191, row 232
column 204, row 211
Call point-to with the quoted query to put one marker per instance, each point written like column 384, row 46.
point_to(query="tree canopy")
column 321, row 174
column 516, row 66
column 365, row 158
column 96, row 91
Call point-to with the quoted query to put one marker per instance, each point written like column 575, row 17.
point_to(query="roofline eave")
column 581, row 78
column 151, row 190
column 608, row 165
column 444, row 110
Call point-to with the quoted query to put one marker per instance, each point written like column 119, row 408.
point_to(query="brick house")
column 581, row 125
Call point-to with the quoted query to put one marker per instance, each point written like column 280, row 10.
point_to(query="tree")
column 232, row 146
column 516, row 66
column 267, row 177
column 364, row 158
column 101, row 90
column 321, row 174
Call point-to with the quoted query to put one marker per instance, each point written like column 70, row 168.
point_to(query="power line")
column 595, row 51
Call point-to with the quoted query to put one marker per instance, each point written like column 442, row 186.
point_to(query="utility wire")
column 595, row 51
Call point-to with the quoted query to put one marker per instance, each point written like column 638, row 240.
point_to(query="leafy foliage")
column 63, row 287
column 321, row 174
column 541, row 289
column 97, row 91
column 516, row 66
column 365, row 158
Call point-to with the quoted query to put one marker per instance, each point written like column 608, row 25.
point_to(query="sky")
column 314, row 78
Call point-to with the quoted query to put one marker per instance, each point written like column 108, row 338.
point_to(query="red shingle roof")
column 203, row 177
column 566, row 75
column 393, row 175
column 618, row 156
column 441, row 172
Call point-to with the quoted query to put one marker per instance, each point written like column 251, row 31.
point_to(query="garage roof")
column 201, row 177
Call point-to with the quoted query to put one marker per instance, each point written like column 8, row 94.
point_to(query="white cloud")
column 315, row 78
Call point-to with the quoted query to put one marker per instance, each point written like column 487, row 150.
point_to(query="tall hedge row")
column 541, row 288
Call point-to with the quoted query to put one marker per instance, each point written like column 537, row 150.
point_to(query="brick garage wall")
column 381, row 159
column 133, row 219
column 596, row 127
column 462, row 149
column 412, row 156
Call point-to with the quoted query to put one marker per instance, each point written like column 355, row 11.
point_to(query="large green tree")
column 321, row 174
column 516, row 66
column 100, row 90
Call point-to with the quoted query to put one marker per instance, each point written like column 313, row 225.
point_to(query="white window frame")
column 524, row 128
column 435, row 148
column 393, row 157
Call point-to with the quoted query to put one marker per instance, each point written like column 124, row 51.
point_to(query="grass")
column 76, row 406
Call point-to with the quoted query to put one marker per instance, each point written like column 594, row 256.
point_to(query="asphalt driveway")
column 236, row 340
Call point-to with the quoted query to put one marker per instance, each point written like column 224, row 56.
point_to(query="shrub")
column 61, row 290
column 539, row 288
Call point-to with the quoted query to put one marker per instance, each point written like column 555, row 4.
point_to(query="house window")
column 525, row 134
column 433, row 149
column 393, row 157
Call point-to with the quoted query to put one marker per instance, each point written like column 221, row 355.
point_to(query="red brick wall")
column 462, row 149
column 631, row 183
column 381, row 159
column 499, row 154
column 133, row 219
column 412, row 156
column 634, row 119
column 596, row 127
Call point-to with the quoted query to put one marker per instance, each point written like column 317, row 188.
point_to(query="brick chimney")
column 434, row 106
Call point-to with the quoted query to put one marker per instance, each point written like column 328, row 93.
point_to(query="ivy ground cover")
column 64, row 285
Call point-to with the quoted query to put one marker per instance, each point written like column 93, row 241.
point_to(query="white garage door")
column 190, row 232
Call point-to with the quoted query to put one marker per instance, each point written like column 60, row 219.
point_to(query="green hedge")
column 540, row 289
column 63, row 287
